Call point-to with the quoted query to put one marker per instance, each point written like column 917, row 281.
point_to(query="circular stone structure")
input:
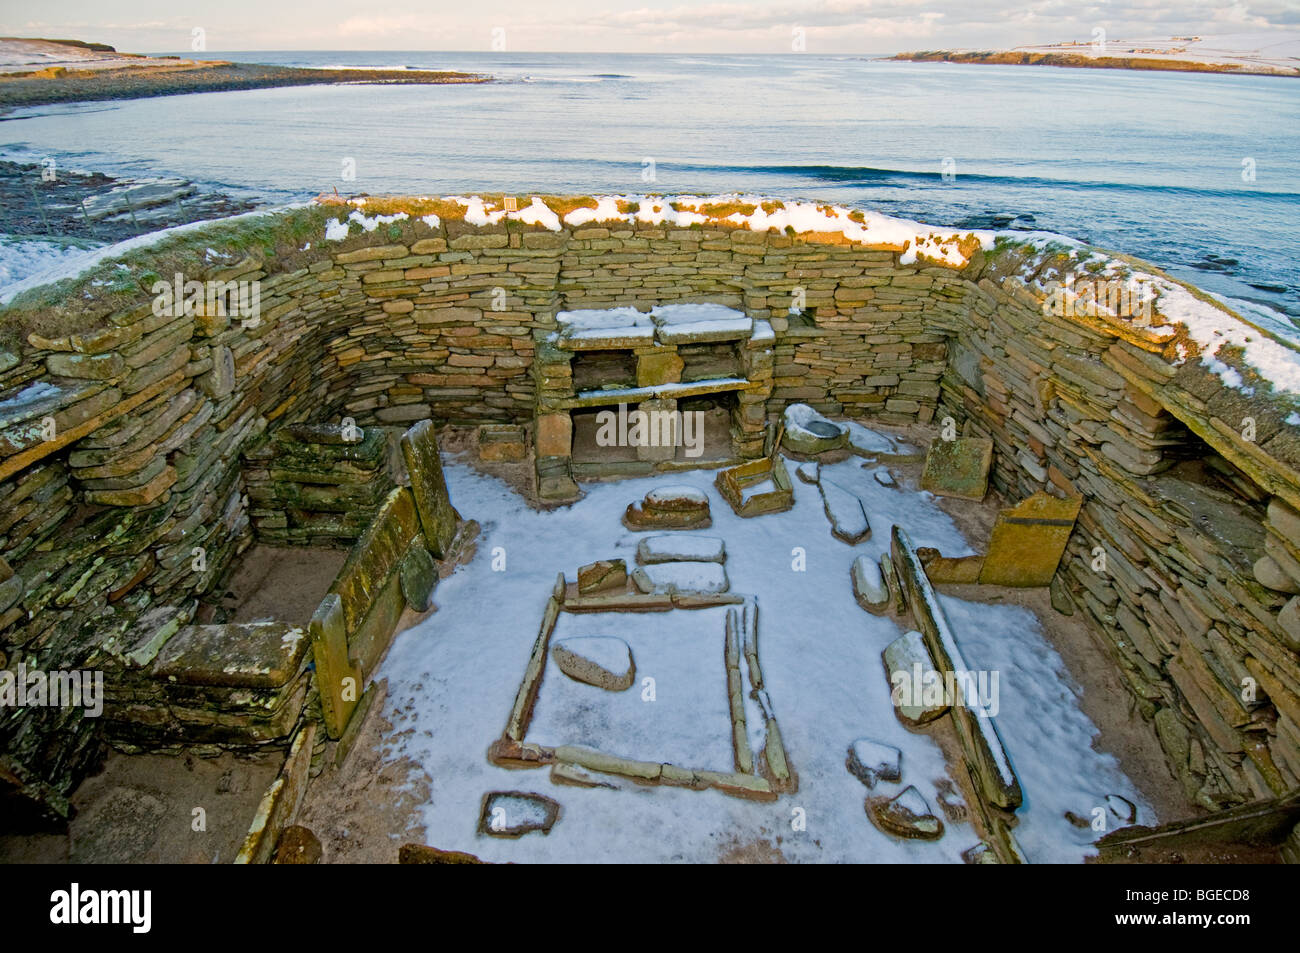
column 142, row 399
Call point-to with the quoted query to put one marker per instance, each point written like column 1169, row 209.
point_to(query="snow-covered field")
column 453, row 678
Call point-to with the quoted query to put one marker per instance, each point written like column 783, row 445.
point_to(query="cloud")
column 830, row 26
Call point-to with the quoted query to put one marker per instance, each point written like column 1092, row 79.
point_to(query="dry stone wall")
column 130, row 439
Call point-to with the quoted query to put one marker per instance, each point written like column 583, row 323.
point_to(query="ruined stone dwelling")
column 143, row 449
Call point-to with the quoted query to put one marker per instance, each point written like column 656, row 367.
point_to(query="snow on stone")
column 1270, row 343
column 602, row 319
column 866, row 440
column 844, row 510
column 679, row 547
column 27, row 397
column 870, row 761
column 336, row 230
column 913, row 801
column 476, row 212
column 868, row 582
column 710, row 314
column 800, row 420
column 870, row 228
column 538, row 213
column 681, row 577
column 677, row 493
column 605, row 651
column 687, row 322
column 1211, row 327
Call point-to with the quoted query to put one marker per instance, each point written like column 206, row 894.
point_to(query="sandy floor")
column 141, row 809
column 283, row 582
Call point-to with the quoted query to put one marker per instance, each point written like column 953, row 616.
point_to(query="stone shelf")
column 635, row 395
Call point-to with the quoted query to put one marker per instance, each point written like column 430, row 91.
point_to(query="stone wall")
column 130, row 438
column 1179, row 512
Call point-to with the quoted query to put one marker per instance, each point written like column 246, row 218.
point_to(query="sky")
column 643, row 26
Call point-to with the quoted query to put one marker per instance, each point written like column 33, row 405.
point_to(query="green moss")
column 80, row 303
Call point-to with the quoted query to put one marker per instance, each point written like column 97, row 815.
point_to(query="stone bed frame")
column 156, row 421
column 760, row 779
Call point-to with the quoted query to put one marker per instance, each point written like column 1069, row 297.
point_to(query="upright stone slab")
column 329, row 640
column 958, row 468
column 986, row 756
column 1028, row 541
column 437, row 516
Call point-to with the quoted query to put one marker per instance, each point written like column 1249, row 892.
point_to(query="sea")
column 1196, row 173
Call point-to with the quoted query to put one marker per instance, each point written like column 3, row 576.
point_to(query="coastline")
column 69, row 72
column 1076, row 60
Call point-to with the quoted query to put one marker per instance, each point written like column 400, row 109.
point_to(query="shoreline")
column 160, row 77
column 1075, row 60
column 97, row 208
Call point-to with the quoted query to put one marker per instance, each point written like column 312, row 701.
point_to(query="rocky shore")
column 94, row 207
column 84, row 79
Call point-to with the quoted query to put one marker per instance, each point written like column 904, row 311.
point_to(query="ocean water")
column 1199, row 174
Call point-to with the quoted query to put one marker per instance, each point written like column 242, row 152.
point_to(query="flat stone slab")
column 907, row 815
column 810, row 473
column 869, row 586
column 807, row 431
column 437, row 516
column 871, row 761
column 677, row 498
column 516, row 813
column 603, row 329
column 681, row 577
column 680, row 549
column 1029, row 540
column 845, row 511
column 670, row 507
column 236, row 655
column 958, row 468
column 689, row 323
column 600, row 660
column 911, row 672
column 868, row 442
